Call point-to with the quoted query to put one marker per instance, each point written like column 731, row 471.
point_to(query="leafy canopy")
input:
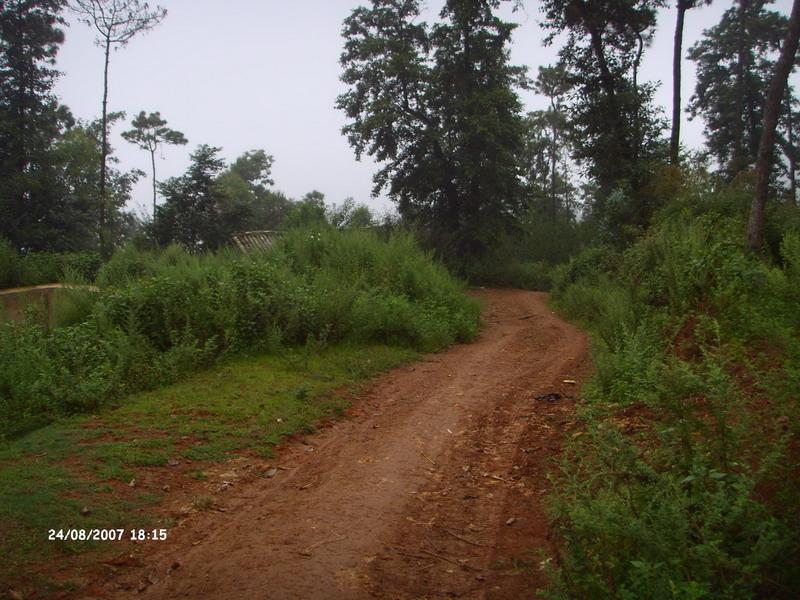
column 150, row 131
column 437, row 107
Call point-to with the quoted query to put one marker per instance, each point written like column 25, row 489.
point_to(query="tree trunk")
column 738, row 156
column 553, row 163
column 104, row 245
column 153, row 161
column 772, row 106
column 677, row 56
column 553, row 197
column 791, row 150
column 566, row 197
column 637, row 143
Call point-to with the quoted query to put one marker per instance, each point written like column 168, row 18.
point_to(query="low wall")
column 14, row 301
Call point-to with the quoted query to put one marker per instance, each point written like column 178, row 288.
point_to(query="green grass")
column 245, row 405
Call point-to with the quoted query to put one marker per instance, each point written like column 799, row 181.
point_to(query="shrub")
column 82, row 265
column 586, row 266
column 525, row 256
column 73, row 305
column 683, row 485
column 634, row 532
column 37, row 268
column 158, row 315
column 510, row 272
column 9, row 265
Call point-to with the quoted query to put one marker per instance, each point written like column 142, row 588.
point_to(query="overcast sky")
column 246, row 74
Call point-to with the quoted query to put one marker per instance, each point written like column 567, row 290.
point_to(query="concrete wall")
column 14, row 301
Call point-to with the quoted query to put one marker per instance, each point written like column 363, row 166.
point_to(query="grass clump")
column 684, row 484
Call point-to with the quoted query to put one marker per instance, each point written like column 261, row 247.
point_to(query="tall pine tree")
column 437, row 107
column 735, row 61
column 190, row 214
column 31, row 118
column 615, row 128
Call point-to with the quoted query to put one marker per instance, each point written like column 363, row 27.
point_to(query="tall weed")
column 158, row 315
column 37, row 268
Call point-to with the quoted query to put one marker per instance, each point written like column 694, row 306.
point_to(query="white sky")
column 246, row 74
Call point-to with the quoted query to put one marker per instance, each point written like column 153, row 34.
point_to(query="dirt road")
column 432, row 488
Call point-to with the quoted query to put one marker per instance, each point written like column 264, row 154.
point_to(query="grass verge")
column 115, row 469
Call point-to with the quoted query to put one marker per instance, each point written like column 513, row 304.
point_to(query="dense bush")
column 509, row 272
column 36, row 268
column 525, row 256
column 158, row 315
column 9, row 265
column 684, row 484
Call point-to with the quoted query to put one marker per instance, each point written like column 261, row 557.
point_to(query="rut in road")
column 432, row 488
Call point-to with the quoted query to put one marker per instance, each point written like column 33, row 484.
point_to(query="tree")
column 310, row 210
column 209, row 203
column 780, row 77
column 190, row 212
column 73, row 218
column 350, row 215
column 789, row 118
column 615, row 128
column 255, row 167
column 734, row 67
column 535, row 156
column 31, row 119
column 677, row 58
column 76, row 157
column 437, row 108
column 270, row 210
column 149, row 133
column 246, row 202
column 546, row 165
column 553, row 83
column 116, row 22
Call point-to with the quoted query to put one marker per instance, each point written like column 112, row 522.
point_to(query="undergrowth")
column 37, row 268
column 685, row 482
column 159, row 315
column 525, row 257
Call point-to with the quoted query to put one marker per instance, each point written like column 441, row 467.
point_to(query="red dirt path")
column 432, row 488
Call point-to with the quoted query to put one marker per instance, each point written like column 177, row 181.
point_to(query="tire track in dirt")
column 431, row 489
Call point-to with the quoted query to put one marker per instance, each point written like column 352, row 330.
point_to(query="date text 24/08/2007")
column 107, row 535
